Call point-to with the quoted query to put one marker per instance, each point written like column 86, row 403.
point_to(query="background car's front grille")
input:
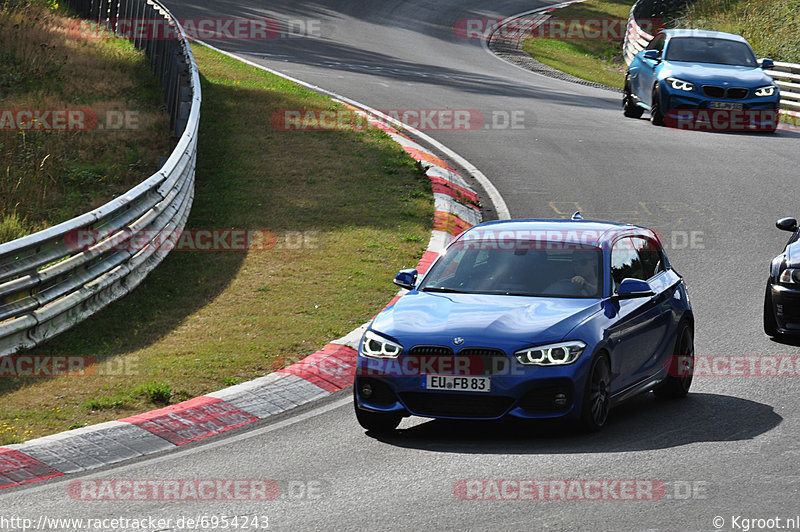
column 737, row 93
column 456, row 405
column 712, row 91
column 734, row 93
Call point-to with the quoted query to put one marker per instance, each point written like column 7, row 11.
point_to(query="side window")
column 650, row 255
column 625, row 262
column 657, row 43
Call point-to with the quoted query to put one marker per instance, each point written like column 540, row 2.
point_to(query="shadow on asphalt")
column 643, row 423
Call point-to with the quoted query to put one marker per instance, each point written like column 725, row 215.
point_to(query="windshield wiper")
column 507, row 293
column 443, row 289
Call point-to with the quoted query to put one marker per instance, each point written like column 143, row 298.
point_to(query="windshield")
column 518, row 267
column 703, row 50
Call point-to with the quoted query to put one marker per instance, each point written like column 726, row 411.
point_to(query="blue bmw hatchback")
column 702, row 80
column 532, row 319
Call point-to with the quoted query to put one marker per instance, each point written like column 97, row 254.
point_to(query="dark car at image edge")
column 782, row 297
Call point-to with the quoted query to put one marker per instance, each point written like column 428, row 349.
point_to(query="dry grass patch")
column 49, row 176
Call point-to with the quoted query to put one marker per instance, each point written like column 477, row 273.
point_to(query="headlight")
column 769, row 90
column 680, row 85
column 376, row 346
column 551, row 355
column 790, row 276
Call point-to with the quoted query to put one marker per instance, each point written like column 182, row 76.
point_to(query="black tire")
column 770, row 323
column 629, row 107
column 656, row 113
column 377, row 422
column 597, row 396
column 679, row 380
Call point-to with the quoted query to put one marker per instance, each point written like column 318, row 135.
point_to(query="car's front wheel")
column 770, row 323
column 656, row 113
column 597, row 397
column 377, row 422
column 681, row 367
column 629, row 107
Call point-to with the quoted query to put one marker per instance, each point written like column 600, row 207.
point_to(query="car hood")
column 709, row 73
column 481, row 320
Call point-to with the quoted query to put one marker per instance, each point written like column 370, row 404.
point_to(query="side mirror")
column 406, row 279
column 786, row 224
column 654, row 55
column 767, row 63
column 633, row 288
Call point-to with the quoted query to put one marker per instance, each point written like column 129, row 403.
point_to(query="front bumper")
column 532, row 393
column 786, row 306
column 756, row 113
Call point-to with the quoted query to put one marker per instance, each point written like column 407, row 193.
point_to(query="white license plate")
column 725, row 105
column 456, row 384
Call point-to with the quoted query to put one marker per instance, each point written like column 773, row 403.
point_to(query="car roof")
column 703, row 34
column 589, row 232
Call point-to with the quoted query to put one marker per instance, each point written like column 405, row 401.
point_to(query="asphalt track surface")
column 728, row 450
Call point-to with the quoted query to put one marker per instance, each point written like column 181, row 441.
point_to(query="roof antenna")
column 576, row 216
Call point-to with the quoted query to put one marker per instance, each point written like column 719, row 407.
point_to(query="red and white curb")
column 329, row 370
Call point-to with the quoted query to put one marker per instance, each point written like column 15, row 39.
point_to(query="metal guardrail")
column 47, row 282
column 636, row 39
column 786, row 75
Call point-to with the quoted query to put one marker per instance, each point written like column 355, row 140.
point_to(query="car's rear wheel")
column 681, row 367
column 629, row 107
column 597, row 397
column 770, row 323
column 378, row 422
column 656, row 113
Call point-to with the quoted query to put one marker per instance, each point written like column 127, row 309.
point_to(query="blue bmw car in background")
column 701, row 80
column 529, row 318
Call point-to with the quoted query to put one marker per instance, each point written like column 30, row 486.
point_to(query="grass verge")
column 599, row 60
column 50, row 173
column 349, row 209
